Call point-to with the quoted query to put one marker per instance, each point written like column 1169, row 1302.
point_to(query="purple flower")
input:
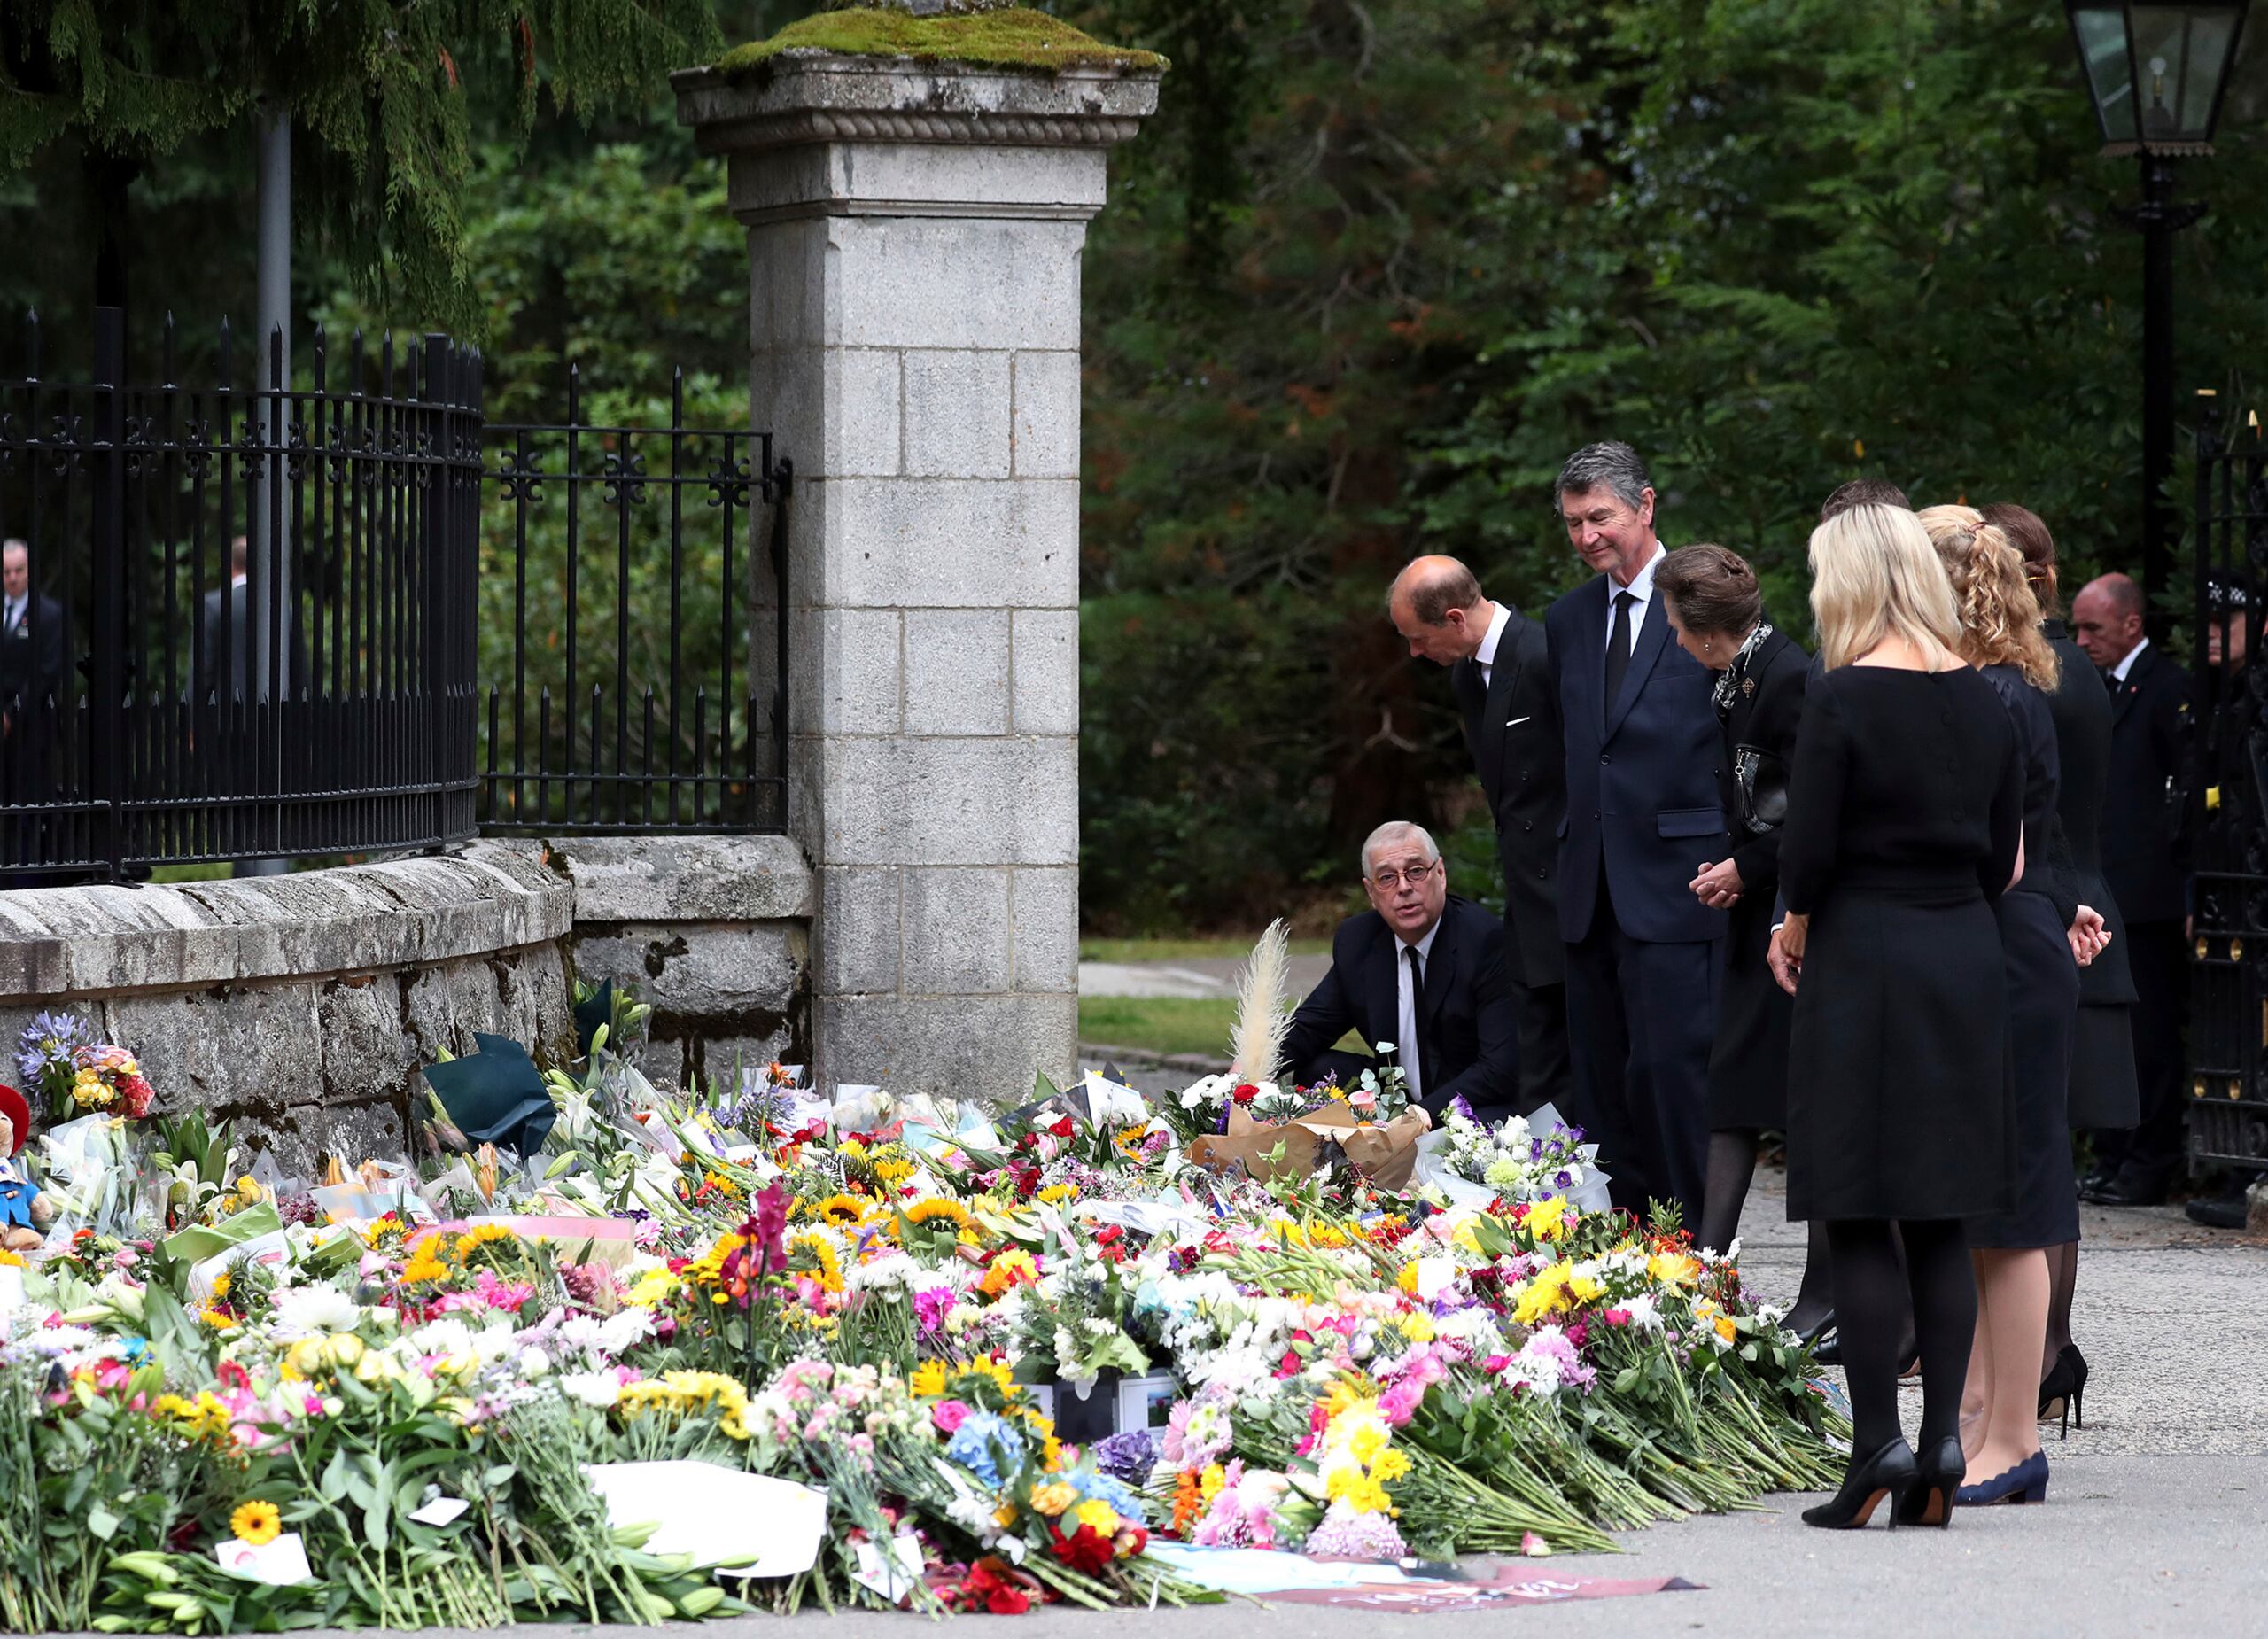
column 1131, row 1456
column 1561, row 1179
column 1462, row 1108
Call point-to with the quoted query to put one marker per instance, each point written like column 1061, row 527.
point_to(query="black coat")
column 1748, row 1060
column 31, row 688
column 1471, row 1035
column 2140, row 814
column 1511, row 728
column 1641, row 775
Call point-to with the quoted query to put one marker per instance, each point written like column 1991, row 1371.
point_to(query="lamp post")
column 2156, row 74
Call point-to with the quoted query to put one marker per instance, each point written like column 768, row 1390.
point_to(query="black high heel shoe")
column 1929, row 1501
column 2063, row 1391
column 1889, row 1472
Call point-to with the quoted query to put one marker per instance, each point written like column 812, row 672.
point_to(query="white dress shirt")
column 2127, row 664
column 1641, row 592
column 1405, row 1047
column 1486, row 653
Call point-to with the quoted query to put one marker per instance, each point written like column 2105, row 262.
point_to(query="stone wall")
column 713, row 931
column 303, row 1006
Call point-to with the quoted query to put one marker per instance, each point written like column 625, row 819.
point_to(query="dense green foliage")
column 1380, row 268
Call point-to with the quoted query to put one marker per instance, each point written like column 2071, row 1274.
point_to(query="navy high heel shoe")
column 2026, row 1482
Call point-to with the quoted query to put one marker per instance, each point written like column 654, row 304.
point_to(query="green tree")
column 378, row 92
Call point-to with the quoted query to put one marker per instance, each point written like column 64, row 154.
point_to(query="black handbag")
column 1760, row 787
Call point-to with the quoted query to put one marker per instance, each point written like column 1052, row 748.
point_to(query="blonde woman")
column 2044, row 932
column 1903, row 824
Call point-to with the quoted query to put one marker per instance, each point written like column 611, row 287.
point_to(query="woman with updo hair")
column 2001, row 637
column 2103, row 1092
column 1716, row 611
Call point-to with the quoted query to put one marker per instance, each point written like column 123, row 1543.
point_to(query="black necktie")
column 1618, row 647
column 1415, row 1058
column 2111, row 682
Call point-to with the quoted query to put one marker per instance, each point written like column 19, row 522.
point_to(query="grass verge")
column 1183, row 949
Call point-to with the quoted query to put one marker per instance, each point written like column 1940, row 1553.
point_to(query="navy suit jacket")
column 1643, row 773
column 1471, row 1030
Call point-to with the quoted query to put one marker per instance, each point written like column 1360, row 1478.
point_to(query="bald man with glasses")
column 1424, row 970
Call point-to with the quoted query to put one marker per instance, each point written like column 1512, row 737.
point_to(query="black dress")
column 2043, row 996
column 1903, row 821
column 2103, row 1090
column 1759, row 701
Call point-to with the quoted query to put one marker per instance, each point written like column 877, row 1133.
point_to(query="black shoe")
column 2131, row 1189
column 1889, row 1472
column 2221, row 1212
column 1815, row 1330
column 2064, row 1389
column 1929, row 1501
column 1828, row 1350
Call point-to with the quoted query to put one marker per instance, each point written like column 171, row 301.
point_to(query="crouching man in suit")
column 1424, row 970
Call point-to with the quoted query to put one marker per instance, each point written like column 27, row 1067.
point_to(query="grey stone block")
column 252, row 1049
column 857, row 934
column 1004, row 801
column 728, row 877
column 302, row 1137
column 887, row 178
column 983, row 1047
column 845, row 672
column 1044, row 919
column 955, row 543
column 957, row 415
column 956, row 931
column 700, row 970
column 948, row 281
column 365, row 1052
column 1046, row 661
column 1047, row 414
column 957, row 672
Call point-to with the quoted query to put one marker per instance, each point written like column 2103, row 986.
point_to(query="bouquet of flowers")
column 58, row 1053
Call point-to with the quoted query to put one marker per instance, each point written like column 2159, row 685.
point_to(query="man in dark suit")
column 2149, row 698
column 1500, row 674
column 31, row 679
column 1422, row 970
column 1644, row 817
column 228, row 627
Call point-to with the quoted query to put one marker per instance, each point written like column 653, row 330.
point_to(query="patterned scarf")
column 1733, row 682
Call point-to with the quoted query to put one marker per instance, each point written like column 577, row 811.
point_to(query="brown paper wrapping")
column 1388, row 1155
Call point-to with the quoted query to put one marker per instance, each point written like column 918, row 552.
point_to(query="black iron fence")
column 333, row 613
column 633, row 662
column 236, row 622
column 2229, row 802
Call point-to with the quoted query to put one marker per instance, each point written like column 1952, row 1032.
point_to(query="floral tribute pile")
column 234, row 1400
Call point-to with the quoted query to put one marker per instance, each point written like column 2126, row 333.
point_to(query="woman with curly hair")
column 2043, row 933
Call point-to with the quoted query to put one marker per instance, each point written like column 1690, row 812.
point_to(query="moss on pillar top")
column 1018, row 40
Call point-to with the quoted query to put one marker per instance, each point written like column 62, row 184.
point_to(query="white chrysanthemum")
column 310, row 1311
column 600, row 1389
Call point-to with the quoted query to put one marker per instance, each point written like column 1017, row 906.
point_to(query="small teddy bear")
column 26, row 1210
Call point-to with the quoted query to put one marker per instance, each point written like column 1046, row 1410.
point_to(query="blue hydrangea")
column 980, row 1441
column 1104, row 1487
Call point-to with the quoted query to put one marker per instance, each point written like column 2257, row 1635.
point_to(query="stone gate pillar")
column 914, row 234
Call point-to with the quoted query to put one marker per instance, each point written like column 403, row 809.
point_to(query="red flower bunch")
column 1244, row 1092
column 991, row 1586
column 1086, row 1549
column 1063, row 1128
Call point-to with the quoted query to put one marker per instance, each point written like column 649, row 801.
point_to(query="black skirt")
column 2043, row 999
column 1897, row 1106
column 1748, row 1060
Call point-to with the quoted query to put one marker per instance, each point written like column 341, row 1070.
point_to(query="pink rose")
column 948, row 1415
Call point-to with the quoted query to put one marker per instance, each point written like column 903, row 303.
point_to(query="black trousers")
column 1640, row 1020
column 1546, row 1076
column 2158, row 957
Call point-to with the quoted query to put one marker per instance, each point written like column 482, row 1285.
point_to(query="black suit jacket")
column 1472, row 1038
column 31, row 691
column 1766, row 717
column 1511, row 728
column 244, row 683
column 1643, row 774
column 2139, row 815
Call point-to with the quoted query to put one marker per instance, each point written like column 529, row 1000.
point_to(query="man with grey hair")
column 1645, row 816
column 1421, row 973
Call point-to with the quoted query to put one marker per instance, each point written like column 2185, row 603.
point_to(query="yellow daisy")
column 258, row 1522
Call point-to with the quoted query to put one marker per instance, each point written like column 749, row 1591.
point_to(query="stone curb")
column 1194, row 1063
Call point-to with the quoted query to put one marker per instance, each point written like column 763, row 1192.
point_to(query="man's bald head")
column 1435, row 603
column 2107, row 618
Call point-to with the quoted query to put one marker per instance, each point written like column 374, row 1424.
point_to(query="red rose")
column 1245, row 1093
column 1085, row 1549
column 1063, row 1128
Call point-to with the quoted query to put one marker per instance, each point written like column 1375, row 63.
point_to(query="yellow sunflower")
column 922, row 1213
column 841, row 1211
column 258, row 1522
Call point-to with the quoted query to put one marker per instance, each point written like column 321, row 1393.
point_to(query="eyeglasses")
column 1386, row 882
